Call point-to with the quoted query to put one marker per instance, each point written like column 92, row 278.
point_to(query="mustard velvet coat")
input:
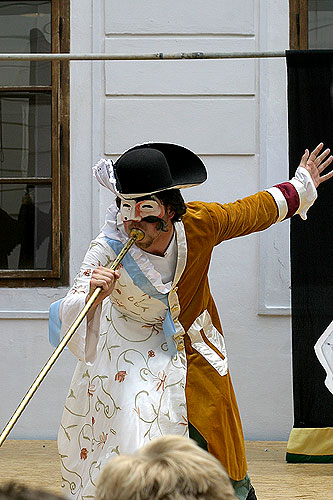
column 211, row 403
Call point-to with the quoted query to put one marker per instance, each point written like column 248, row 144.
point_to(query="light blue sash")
column 142, row 282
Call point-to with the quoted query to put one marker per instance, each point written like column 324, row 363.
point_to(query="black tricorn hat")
column 156, row 166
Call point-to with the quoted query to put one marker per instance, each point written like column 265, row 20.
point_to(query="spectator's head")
column 167, row 468
column 14, row 491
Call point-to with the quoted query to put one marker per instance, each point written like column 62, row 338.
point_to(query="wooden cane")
column 136, row 234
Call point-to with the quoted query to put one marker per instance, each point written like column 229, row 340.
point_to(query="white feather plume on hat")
column 103, row 171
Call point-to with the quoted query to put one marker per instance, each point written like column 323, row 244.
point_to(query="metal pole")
column 140, row 57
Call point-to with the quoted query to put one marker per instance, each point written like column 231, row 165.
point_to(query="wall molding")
column 274, row 253
column 24, row 315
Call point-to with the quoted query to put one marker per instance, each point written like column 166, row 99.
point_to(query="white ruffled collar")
column 114, row 229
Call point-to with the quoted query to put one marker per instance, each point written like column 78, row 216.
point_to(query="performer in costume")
column 152, row 357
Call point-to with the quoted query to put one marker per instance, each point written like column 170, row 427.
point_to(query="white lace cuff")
column 306, row 190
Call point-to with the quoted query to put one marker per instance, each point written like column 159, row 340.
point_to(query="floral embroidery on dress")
column 118, row 302
column 155, row 327
column 84, row 454
column 185, row 421
column 102, row 439
column 79, row 289
column 80, row 283
column 151, row 354
column 120, row 376
column 161, row 378
column 91, row 389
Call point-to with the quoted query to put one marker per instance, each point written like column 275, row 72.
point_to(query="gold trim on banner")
column 311, row 441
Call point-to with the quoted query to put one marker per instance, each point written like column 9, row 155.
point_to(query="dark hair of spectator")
column 14, row 491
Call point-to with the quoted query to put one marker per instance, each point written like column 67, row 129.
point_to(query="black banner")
column 310, row 108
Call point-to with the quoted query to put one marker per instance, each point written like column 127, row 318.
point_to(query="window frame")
column 59, row 180
column 298, row 24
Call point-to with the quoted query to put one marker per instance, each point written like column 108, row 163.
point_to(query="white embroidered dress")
column 126, row 388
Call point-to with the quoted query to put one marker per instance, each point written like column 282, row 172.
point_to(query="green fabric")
column 315, row 459
column 242, row 487
column 196, row 436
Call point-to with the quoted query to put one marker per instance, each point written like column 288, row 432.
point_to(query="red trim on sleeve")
column 291, row 195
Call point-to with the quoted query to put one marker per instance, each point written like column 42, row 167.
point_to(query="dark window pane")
column 25, row 135
column 26, row 229
column 320, row 24
column 25, row 27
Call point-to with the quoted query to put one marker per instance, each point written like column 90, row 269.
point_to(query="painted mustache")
column 161, row 224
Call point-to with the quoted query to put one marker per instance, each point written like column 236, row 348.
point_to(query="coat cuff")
column 295, row 196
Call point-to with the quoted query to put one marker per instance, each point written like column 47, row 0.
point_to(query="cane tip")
column 138, row 234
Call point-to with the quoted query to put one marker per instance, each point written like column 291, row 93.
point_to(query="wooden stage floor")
column 35, row 463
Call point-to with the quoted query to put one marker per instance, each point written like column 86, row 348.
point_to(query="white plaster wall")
column 233, row 113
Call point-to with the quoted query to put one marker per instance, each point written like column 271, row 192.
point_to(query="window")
column 311, row 23
column 34, row 150
column 320, row 24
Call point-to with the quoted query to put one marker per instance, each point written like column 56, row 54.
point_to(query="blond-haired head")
column 167, row 468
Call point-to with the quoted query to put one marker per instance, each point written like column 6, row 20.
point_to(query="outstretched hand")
column 315, row 164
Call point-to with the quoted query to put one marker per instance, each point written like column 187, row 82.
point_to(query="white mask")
column 138, row 210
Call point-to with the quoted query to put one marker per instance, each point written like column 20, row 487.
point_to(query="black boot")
column 252, row 494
